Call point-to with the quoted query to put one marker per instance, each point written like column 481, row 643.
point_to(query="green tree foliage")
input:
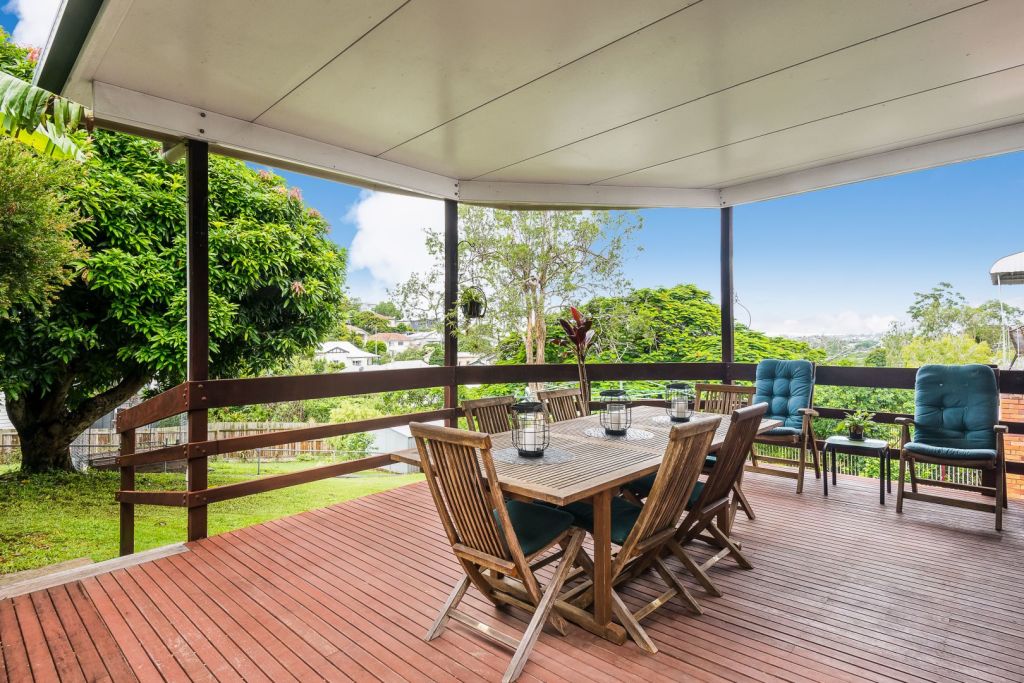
column 370, row 321
column 36, row 248
column 388, row 309
column 275, row 291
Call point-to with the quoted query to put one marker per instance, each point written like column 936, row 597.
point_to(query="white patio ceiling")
column 564, row 102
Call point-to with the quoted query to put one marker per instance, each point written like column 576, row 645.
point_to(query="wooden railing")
column 201, row 396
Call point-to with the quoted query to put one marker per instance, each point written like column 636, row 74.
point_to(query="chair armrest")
column 810, row 412
column 904, row 423
column 1001, row 429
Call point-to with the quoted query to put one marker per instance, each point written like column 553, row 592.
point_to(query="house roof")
column 595, row 103
column 348, row 348
column 388, row 336
column 1008, row 270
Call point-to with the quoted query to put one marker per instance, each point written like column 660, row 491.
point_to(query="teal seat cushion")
column 956, row 406
column 782, row 431
column 786, row 386
column 536, row 525
column 641, row 488
column 947, row 453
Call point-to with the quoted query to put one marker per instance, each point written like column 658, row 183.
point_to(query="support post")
column 198, row 266
column 728, row 296
column 451, row 297
column 127, row 484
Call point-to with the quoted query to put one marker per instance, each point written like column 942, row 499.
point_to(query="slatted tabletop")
column 598, row 463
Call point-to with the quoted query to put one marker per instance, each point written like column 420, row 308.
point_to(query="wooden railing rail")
column 240, row 392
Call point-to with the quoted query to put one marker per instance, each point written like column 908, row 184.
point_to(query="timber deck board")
column 843, row 589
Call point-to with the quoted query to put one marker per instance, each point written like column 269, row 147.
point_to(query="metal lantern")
column 616, row 415
column 679, row 399
column 530, row 432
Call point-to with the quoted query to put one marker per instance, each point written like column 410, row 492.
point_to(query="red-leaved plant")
column 579, row 336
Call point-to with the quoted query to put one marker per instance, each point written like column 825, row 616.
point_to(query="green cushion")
column 535, row 525
column 786, row 386
column 956, row 406
column 782, row 431
column 950, row 453
column 641, row 488
column 624, row 516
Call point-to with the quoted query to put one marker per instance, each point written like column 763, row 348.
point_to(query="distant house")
column 5, row 422
column 396, row 342
column 426, row 337
column 393, row 365
column 346, row 353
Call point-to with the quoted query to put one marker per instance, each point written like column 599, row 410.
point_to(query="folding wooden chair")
column 499, row 543
column 562, row 404
column 642, row 533
column 489, row 415
column 724, row 399
column 710, row 507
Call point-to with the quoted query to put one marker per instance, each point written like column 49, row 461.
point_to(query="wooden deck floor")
column 843, row 589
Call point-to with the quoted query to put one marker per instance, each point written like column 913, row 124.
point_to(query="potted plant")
column 472, row 302
column 579, row 337
column 856, row 422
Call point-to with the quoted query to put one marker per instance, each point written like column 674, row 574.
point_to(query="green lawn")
column 51, row 518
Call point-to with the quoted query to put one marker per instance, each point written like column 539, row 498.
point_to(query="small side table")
column 870, row 447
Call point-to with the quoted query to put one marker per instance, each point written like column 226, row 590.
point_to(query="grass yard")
column 46, row 519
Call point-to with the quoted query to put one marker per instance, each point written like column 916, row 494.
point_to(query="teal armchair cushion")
column 944, row 453
column 786, row 386
column 956, row 406
column 535, row 525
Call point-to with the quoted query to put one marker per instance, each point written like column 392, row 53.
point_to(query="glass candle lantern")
column 615, row 415
column 679, row 399
column 530, row 432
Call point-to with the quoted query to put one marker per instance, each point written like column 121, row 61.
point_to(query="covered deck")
column 843, row 589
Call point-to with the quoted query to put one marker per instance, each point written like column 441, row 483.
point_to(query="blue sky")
column 842, row 260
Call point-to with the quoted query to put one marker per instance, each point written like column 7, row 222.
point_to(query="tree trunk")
column 46, row 428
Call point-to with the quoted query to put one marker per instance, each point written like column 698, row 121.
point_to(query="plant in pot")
column 579, row 336
column 856, row 422
column 472, row 302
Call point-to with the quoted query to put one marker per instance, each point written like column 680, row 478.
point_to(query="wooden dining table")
column 586, row 464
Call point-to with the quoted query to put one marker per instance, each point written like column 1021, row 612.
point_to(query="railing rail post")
column 451, row 296
column 127, row 511
column 728, row 343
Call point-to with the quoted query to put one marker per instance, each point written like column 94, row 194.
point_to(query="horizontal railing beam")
column 204, row 449
column 169, row 403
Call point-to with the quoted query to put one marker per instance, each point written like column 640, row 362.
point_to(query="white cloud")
column 844, row 322
column 390, row 238
column 35, row 19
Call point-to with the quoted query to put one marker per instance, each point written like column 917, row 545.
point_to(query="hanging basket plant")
column 473, row 302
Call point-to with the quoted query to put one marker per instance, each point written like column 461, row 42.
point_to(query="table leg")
column 888, row 471
column 881, row 478
column 825, row 453
column 835, row 465
column 602, row 557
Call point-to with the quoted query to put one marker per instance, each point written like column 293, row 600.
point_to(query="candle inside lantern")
column 530, row 438
column 617, row 417
column 680, row 407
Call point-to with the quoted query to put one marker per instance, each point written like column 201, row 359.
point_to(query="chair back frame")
column 562, row 404
column 489, row 415
column 721, row 398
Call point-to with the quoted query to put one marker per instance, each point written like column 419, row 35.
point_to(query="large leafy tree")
column 275, row 290
column 530, row 264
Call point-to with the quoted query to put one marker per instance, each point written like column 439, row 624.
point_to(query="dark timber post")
column 127, row 484
column 728, row 344
column 198, row 264
column 451, row 298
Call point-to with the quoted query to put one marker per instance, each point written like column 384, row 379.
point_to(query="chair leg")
column 450, row 604
column 913, row 474
column 899, row 486
column 702, row 577
column 734, row 549
column 1000, row 498
column 744, row 502
column 817, row 457
column 673, row 582
column 753, row 455
column 801, row 466
column 547, row 601
column 632, row 626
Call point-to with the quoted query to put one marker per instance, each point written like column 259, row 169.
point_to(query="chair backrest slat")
column 732, row 456
column 468, row 507
column 721, row 398
column 562, row 404
column 489, row 415
column 680, row 468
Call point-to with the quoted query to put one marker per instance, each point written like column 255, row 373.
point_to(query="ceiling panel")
column 709, row 46
column 436, row 59
column 985, row 39
column 978, row 104
column 233, row 57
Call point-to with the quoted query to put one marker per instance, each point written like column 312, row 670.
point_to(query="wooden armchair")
column 956, row 413
column 489, row 415
column 644, row 534
column 562, row 404
column 721, row 398
column 787, row 386
column 497, row 542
